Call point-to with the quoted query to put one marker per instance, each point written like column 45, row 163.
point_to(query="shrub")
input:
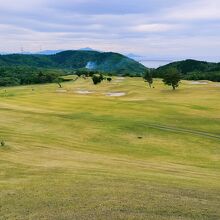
column 97, row 79
column 109, row 79
column 2, row 143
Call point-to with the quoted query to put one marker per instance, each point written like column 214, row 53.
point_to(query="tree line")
column 13, row 76
column 171, row 76
column 22, row 75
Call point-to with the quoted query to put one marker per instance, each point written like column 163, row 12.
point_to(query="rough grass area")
column 150, row 154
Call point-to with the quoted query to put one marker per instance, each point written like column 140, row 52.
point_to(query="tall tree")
column 148, row 77
column 172, row 77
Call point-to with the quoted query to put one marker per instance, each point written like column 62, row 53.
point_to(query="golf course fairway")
column 117, row 150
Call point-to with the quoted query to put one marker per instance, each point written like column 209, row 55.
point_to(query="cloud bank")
column 149, row 27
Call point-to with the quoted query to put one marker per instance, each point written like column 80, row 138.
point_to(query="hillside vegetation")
column 81, row 153
column 20, row 69
column 107, row 62
column 193, row 70
column 22, row 75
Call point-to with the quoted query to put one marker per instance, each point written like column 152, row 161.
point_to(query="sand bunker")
column 119, row 79
column 84, row 92
column 198, row 83
column 61, row 90
column 115, row 94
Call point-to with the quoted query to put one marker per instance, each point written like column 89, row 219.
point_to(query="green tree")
column 58, row 80
column 148, row 77
column 96, row 80
column 172, row 77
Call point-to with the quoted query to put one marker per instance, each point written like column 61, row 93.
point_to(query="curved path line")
column 183, row 130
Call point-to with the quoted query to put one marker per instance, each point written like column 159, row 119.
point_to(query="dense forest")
column 22, row 75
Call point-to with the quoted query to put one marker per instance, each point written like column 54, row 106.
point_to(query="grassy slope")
column 71, row 156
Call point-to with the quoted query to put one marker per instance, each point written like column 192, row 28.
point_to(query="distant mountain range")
column 52, row 52
column 46, row 52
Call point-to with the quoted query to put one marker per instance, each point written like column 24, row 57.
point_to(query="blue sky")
column 155, row 28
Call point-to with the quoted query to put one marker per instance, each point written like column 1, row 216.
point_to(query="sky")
column 153, row 28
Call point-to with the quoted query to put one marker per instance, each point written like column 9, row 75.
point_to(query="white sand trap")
column 198, row 83
column 84, row 92
column 115, row 94
column 118, row 81
column 61, row 90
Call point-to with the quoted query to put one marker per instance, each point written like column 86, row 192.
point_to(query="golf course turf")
column 79, row 153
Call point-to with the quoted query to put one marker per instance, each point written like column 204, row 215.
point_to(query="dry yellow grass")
column 78, row 156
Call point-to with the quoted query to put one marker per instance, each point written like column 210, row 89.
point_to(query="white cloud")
column 154, row 27
column 196, row 10
column 141, row 26
column 20, row 5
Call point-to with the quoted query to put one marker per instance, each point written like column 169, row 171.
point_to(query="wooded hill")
column 193, row 70
column 108, row 62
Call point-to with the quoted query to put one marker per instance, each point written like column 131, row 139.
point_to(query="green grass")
column 74, row 156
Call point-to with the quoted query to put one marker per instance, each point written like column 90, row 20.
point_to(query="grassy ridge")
column 74, row 156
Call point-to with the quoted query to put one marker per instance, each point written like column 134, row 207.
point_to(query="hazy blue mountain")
column 49, row 52
column 87, row 49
